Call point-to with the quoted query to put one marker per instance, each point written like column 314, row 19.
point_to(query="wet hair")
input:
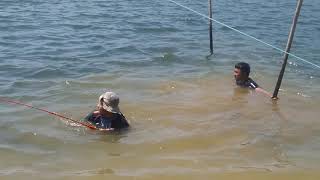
column 244, row 67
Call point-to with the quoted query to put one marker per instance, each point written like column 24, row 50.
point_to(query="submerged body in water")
column 108, row 116
column 241, row 75
column 103, row 122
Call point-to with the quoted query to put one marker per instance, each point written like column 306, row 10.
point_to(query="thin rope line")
column 49, row 112
column 245, row 34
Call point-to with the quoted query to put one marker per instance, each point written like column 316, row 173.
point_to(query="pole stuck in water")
column 290, row 39
column 210, row 26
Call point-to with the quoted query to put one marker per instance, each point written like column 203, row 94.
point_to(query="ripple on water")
column 49, row 72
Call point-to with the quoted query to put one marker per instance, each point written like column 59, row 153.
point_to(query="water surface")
column 188, row 119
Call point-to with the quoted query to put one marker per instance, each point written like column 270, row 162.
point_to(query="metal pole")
column 291, row 35
column 210, row 26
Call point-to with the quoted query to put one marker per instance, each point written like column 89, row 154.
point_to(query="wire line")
column 245, row 34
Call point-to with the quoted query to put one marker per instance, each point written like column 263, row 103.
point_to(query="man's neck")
column 242, row 81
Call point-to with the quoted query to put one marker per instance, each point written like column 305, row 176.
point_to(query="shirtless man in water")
column 241, row 74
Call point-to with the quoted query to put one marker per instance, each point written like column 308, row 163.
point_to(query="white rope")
column 245, row 34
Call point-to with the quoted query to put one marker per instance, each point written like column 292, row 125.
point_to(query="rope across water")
column 90, row 126
column 245, row 34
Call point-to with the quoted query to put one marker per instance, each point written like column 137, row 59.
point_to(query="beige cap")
column 110, row 102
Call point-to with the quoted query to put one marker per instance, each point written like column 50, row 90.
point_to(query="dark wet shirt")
column 117, row 121
column 249, row 83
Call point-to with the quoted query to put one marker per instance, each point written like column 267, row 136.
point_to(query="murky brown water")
column 181, row 129
column 188, row 120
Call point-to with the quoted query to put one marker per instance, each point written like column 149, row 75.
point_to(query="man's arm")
column 257, row 88
column 260, row 90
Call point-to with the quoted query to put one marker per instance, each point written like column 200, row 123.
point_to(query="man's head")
column 109, row 101
column 241, row 71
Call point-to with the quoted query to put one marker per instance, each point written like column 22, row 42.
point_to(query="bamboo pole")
column 288, row 47
column 210, row 26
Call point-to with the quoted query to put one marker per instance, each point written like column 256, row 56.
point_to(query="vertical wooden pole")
column 290, row 39
column 210, row 26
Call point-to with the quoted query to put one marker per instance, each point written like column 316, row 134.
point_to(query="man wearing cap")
column 107, row 115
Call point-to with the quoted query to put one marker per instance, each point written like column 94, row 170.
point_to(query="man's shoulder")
column 92, row 115
column 121, row 121
column 251, row 83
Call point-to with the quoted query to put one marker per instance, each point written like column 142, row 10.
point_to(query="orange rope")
column 49, row 112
